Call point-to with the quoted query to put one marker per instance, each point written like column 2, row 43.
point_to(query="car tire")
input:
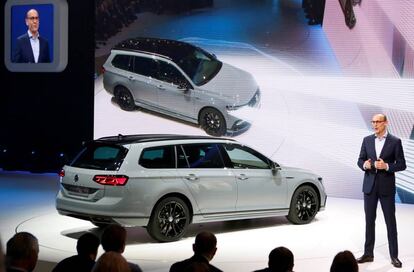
column 213, row 122
column 125, row 99
column 304, row 205
column 169, row 220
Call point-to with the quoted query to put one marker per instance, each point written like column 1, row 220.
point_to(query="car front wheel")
column 169, row 220
column 213, row 122
column 125, row 99
column 304, row 205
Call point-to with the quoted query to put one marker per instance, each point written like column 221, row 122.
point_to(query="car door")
column 175, row 93
column 212, row 185
column 259, row 188
column 144, row 80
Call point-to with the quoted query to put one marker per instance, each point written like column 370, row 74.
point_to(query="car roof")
column 171, row 49
column 140, row 138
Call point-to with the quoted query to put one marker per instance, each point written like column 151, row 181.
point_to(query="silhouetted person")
column 280, row 260
column 204, row 250
column 114, row 239
column 111, row 261
column 87, row 248
column 22, row 251
column 344, row 261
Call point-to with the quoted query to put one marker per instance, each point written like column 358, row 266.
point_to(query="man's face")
column 32, row 21
column 379, row 124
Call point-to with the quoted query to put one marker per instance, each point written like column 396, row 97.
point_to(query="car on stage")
column 166, row 182
column 181, row 80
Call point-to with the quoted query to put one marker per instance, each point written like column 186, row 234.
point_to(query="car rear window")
column 101, row 157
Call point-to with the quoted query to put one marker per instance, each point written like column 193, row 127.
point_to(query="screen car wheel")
column 169, row 220
column 304, row 205
column 213, row 122
column 124, row 99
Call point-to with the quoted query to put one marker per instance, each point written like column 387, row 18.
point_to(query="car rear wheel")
column 213, row 122
column 125, row 99
column 304, row 205
column 169, row 220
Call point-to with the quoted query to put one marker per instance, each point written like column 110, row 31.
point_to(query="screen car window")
column 100, row 156
column 243, row 157
column 202, row 156
column 158, row 157
column 122, row 62
column 170, row 74
column 145, row 66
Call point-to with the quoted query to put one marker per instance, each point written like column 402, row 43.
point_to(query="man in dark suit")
column 381, row 156
column 204, row 250
column 31, row 47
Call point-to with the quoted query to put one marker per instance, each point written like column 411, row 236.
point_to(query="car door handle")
column 242, row 177
column 161, row 87
column 131, row 78
column 191, row 177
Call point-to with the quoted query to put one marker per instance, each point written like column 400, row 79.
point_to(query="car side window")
column 146, row 66
column 200, row 156
column 168, row 73
column 158, row 157
column 122, row 62
column 243, row 157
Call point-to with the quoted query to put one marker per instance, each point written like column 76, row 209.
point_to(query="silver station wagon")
column 166, row 182
column 180, row 80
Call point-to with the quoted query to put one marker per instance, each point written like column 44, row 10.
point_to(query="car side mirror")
column 275, row 168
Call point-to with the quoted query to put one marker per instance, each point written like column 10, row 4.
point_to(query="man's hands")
column 380, row 164
column 367, row 164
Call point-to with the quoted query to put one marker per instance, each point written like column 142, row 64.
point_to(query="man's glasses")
column 377, row 122
column 33, row 18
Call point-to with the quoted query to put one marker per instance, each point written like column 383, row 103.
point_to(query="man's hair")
column 22, row 246
column 87, row 244
column 344, row 261
column 281, row 260
column 114, row 238
column 205, row 242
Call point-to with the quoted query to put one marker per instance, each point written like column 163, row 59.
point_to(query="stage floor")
column 27, row 202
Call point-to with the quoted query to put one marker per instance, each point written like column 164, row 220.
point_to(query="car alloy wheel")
column 124, row 99
column 304, row 205
column 213, row 122
column 169, row 220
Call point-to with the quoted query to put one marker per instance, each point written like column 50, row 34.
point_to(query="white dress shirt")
column 34, row 41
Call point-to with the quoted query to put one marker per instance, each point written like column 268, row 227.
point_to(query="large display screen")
column 256, row 71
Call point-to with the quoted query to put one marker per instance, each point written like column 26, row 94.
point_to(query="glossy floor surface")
column 27, row 202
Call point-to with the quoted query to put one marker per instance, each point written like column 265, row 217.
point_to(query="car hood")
column 293, row 170
column 233, row 84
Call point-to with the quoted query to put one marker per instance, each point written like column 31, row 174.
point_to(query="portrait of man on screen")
column 31, row 47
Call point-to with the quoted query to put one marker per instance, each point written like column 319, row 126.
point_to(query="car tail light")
column 62, row 173
column 103, row 70
column 111, row 180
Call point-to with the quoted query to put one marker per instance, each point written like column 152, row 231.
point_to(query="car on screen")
column 180, row 80
column 166, row 182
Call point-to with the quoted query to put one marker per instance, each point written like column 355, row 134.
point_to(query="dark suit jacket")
column 75, row 263
column 23, row 53
column 181, row 266
column 392, row 153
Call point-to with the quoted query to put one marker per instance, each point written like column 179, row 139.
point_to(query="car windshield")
column 200, row 66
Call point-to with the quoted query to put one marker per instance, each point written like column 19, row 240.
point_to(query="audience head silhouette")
column 344, row 261
column 114, row 238
column 281, row 260
column 111, row 261
column 22, row 251
column 87, row 245
column 205, row 244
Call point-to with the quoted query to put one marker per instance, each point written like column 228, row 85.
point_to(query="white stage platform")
column 27, row 202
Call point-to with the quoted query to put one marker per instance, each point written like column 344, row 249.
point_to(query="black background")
column 45, row 117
